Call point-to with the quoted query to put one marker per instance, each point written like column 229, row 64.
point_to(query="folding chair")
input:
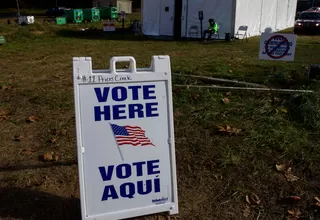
column 194, row 31
column 136, row 27
column 242, row 31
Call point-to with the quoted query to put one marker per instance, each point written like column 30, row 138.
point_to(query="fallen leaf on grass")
column 57, row 76
column 225, row 100
column 52, row 140
column 294, row 214
column 248, row 200
column 228, row 130
column 35, row 181
column 62, row 132
column 253, row 199
column 291, row 178
column 56, row 157
column 246, row 211
column 4, row 118
column 291, row 200
column 276, row 99
column 318, row 201
column 42, row 89
column 287, row 171
column 18, row 138
column 3, row 113
column 168, row 217
column 31, row 118
column 5, row 87
column 49, row 157
column 27, row 151
column 195, row 96
column 224, row 129
column 281, row 167
column 295, row 198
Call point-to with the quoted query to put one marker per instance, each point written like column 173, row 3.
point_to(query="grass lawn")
column 216, row 169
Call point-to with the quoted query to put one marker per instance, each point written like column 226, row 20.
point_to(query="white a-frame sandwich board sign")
column 125, row 139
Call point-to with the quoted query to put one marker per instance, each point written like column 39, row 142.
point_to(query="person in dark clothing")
column 212, row 29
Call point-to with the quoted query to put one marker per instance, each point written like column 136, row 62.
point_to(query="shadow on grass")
column 124, row 34
column 100, row 35
column 37, row 166
column 30, row 204
column 11, row 14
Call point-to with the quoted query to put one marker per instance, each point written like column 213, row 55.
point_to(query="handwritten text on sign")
column 123, row 110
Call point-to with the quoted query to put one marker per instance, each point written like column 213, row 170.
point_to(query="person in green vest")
column 212, row 29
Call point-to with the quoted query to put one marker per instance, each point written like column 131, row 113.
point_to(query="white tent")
column 160, row 17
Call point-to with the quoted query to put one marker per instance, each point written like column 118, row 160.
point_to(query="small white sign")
column 125, row 139
column 276, row 46
column 109, row 26
column 26, row 20
column 123, row 14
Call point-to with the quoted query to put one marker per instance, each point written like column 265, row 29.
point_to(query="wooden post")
column 18, row 9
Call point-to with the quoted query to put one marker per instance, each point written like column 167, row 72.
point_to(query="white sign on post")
column 125, row 139
column 123, row 14
column 276, row 46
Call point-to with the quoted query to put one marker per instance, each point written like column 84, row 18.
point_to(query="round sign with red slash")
column 279, row 49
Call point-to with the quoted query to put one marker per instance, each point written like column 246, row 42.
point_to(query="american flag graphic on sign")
column 130, row 135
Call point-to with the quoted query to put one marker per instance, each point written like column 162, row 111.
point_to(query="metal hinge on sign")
column 169, row 140
column 82, row 149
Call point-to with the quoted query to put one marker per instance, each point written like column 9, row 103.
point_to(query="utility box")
column 113, row 12
column 110, row 12
column 2, row 40
column 91, row 14
column 61, row 20
column 74, row 15
column 103, row 12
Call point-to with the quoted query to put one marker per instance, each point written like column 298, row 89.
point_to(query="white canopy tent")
column 158, row 16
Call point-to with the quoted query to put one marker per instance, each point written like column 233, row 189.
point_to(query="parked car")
column 308, row 22
column 314, row 9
